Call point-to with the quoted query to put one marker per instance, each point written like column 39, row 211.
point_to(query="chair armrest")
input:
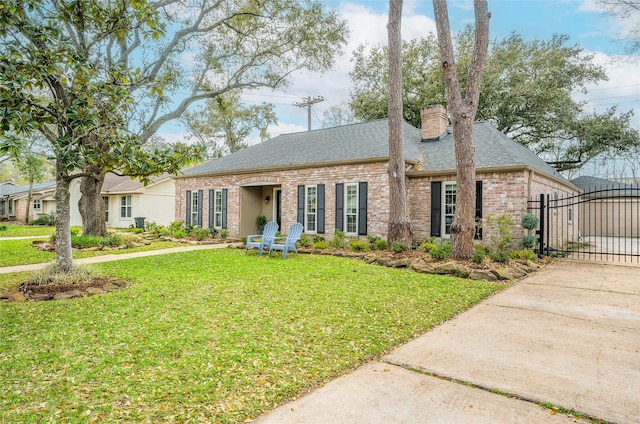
column 253, row 236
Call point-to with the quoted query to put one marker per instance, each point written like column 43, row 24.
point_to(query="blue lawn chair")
column 265, row 239
column 293, row 235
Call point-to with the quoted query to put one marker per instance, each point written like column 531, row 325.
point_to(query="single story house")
column 13, row 200
column 608, row 208
column 336, row 179
column 126, row 199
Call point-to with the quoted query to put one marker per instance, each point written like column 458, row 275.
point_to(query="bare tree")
column 399, row 222
column 463, row 113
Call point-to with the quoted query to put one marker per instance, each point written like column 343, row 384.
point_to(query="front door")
column 278, row 207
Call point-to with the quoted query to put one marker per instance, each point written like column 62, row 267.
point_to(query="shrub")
column 441, row 250
column 305, row 241
column 154, row 228
column 500, row 232
column 358, row 245
column 528, row 241
column 74, row 231
column 529, row 221
column 317, row 238
column 399, row 247
column 381, row 244
column 176, row 226
column 427, row 245
column 181, row 233
column 51, row 274
column 3, row 228
column 224, row 234
column 199, row 233
column 479, row 255
column 213, row 231
column 500, row 257
column 338, row 241
column 86, row 240
column 47, row 220
column 523, row 254
column 320, row 245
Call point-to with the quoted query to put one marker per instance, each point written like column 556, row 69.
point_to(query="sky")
column 585, row 24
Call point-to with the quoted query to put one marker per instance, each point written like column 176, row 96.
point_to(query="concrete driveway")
column 568, row 336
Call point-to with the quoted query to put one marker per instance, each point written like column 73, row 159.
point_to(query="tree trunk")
column 91, row 205
column 64, row 260
column 399, row 228
column 463, row 113
column 28, row 205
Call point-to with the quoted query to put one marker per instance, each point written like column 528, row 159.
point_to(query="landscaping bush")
column 74, row 231
column 338, row 241
column 500, row 257
column 305, row 241
column 224, row 234
column 479, row 254
column 317, row 238
column 46, row 220
column 381, row 244
column 86, row 240
column 441, row 250
column 427, row 245
column 176, row 226
column 500, row 232
column 528, row 241
column 529, row 221
column 523, row 254
column 358, row 245
column 399, row 247
column 320, row 245
column 3, row 228
column 154, row 228
column 199, row 233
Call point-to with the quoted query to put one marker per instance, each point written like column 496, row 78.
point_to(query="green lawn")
column 211, row 336
column 21, row 252
column 26, row 230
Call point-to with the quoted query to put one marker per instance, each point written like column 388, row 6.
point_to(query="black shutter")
column 436, row 208
column 320, row 209
column 187, row 220
column 340, row 207
column 301, row 204
column 478, row 235
column 212, row 200
column 200, row 200
column 362, row 208
column 224, row 208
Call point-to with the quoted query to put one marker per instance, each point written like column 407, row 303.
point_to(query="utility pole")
column 308, row 102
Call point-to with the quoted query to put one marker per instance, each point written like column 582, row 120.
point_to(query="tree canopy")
column 526, row 91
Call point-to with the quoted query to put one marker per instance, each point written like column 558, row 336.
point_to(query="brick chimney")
column 434, row 122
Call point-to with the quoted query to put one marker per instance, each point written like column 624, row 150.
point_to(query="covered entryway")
column 259, row 198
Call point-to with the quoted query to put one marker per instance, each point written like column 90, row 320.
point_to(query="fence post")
column 542, row 224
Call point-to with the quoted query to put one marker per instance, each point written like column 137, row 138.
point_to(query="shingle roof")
column 587, row 183
column 124, row 184
column 9, row 189
column 370, row 140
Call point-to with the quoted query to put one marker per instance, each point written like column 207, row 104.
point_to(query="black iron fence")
column 603, row 224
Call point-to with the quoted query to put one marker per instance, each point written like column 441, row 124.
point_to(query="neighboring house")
column 126, row 199
column 608, row 208
column 336, row 178
column 13, row 200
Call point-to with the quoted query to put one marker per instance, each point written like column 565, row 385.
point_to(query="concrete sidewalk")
column 568, row 336
column 118, row 257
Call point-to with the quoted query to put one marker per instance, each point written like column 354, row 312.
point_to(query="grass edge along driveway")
column 212, row 336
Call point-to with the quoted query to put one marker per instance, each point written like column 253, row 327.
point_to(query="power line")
column 308, row 102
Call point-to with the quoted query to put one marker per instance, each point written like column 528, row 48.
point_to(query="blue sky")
column 586, row 25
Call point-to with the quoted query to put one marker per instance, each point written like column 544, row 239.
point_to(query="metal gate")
column 602, row 224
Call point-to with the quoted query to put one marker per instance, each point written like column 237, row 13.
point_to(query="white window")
column 448, row 206
column 37, row 204
column 194, row 209
column 351, row 208
column 217, row 207
column 311, row 208
column 125, row 207
column 105, row 199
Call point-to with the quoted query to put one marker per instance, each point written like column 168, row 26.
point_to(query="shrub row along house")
column 336, row 179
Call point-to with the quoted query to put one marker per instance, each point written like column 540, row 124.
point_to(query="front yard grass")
column 21, row 252
column 211, row 336
column 26, row 230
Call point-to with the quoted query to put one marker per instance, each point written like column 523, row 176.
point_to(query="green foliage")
column 176, row 227
column 143, row 343
column 317, row 238
column 154, row 228
column 199, row 233
column 529, row 221
column 380, row 244
column 479, row 254
column 523, row 254
column 261, row 221
column 181, row 233
column 320, row 245
column 358, row 245
column 224, row 234
column 441, row 250
column 528, row 241
column 499, row 229
column 428, row 244
column 75, row 231
column 305, row 241
column 3, row 228
column 46, row 220
column 516, row 72
column 86, row 240
column 399, row 247
column 52, row 275
column 500, row 257
column 338, row 241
